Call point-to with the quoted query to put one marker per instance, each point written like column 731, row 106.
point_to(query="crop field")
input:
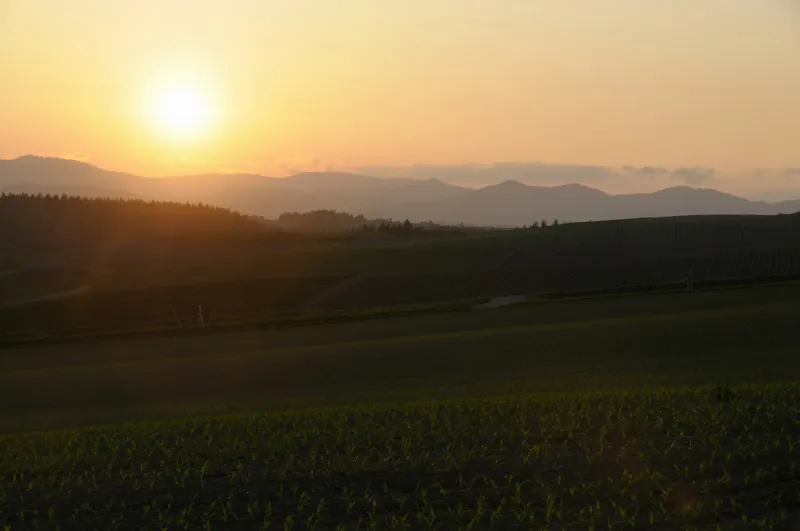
column 665, row 411
column 691, row 459
column 603, row 344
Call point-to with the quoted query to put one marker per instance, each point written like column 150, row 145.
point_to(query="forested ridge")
column 79, row 219
column 70, row 220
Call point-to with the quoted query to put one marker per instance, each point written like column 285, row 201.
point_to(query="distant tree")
column 407, row 225
column 543, row 224
column 322, row 221
column 555, row 222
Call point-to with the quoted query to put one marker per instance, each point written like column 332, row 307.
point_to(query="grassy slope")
column 647, row 460
column 516, row 418
column 254, row 285
column 670, row 339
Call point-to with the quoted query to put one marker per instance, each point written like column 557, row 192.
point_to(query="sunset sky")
column 161, row 87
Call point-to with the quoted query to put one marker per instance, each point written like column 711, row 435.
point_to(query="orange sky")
column 295, row 84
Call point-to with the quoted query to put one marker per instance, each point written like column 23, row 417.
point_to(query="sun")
column 182, row 112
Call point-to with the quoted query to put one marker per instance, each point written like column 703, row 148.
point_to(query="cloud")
column 557, row 173
column 292, row 166
column 295, row 165
column 693, row 176
column 237, row 170
column 75, row 155
column 650, row 172
column 771, row 184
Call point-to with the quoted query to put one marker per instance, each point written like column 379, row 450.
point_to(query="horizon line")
column 356, row 172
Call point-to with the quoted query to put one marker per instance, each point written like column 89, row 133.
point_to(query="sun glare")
column 182, row 112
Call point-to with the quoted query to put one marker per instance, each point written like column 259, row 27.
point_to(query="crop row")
column 682, row 459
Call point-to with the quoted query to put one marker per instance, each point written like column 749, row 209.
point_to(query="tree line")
column 72, row 220
column 543, row 224
column 28, row 219
column 335, row 221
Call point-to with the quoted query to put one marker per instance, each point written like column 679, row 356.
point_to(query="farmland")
column 669, row 339
column 250, row 278
column 399, row 266
column 663, row 460
column 534, row 416
column 608, row 400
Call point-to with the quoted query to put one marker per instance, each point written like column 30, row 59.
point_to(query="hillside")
column 59, row 246
column 507, row 204
column 67, row 222
column 91, row 267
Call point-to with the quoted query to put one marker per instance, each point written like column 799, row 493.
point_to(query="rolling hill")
column 506, row 204
column 71, row 264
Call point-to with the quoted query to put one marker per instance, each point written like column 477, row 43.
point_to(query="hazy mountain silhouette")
column 55, row 172
column 509, row 203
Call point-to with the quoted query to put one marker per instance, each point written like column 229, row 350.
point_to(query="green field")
column 661, row 460
column 602, row 343
column 112, row 286
column 345, row 382
column 601, row 412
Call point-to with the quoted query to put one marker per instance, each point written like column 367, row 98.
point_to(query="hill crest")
column 508, row 203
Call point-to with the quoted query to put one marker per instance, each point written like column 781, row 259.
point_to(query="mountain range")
column 507, row 204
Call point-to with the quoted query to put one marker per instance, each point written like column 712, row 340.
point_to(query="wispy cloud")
column 294, row 165
column 693, row 176
column 650, row 172
column 75, row 155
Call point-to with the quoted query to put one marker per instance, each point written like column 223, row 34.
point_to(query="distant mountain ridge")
column 509, row 203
